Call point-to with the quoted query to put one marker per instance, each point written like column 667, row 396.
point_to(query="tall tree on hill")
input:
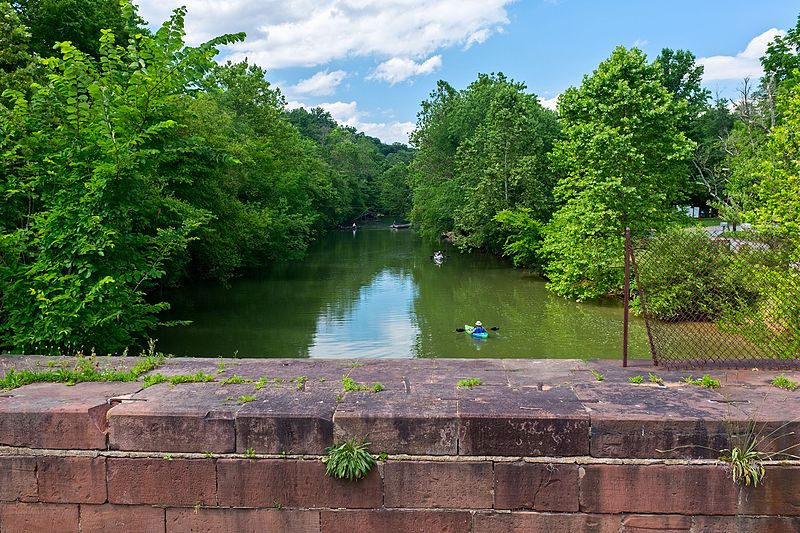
column 624, row 163
column 76, row 21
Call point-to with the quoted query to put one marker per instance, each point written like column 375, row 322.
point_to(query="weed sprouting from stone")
column 654, row 379
column 168, row 457
column 81, row 369
column 349, row 385
column 260, row 383
column 707, row 382
column 220, row 367
column 636, row 380
column 597, row 375
column 782, row 382
column 234, row 379
column 339, row 398
column 208, row 455
column 250, row 453
column 246, row 398
column 349, row 460
column 154, row 379
column 470, row 383
column 301, row 382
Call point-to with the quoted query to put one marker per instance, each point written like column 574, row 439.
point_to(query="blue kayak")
column 471, row 331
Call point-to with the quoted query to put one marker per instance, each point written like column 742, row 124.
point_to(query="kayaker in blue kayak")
column 479, row 328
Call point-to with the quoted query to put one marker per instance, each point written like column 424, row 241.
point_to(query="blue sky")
column 371, row 62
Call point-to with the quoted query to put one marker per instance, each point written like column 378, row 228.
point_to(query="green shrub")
column 688, row 275
column 348, row 460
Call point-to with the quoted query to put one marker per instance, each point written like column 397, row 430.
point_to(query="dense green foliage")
column 138, row 165
column 77, row 21
column 688, row 275
column 623, row 161
column 481, row 151
column 371, row 176
column 629, row 146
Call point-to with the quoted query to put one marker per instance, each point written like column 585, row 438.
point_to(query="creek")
column 376, row 292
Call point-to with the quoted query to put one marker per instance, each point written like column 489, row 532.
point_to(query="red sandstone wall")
column 67, row 493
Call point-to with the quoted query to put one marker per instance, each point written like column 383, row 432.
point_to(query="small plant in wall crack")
column 782, row 382
column 597, row 375
column 707, row 382
column 636, row 380
column 349, row 460
column 350, row 385
column 470, row 383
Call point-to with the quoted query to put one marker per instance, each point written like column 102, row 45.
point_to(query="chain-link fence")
column 713, row 299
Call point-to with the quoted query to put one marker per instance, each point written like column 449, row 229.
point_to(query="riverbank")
column 540, row 443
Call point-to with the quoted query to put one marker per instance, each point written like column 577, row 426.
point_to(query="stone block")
column 528, row 522
column 428, row 484
column 637, row 421
column 18, row 479
column 286, row 421
column 52, row 415
column 657, row 488
column 777, row 495
column 38, row 518
column 405, row 521
column 292, row 483
column 241, row 521
column 656, row 524
column 536, row 486
column 415, row 423
column 118, row 518
column 523, row 423
column 72, row 479
column 161, row 481
column 745, row 524
column 190, row 417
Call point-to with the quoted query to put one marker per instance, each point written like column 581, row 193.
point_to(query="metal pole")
column 626, row 296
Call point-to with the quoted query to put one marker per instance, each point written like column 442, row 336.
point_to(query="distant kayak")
column 400, row 226
column 469, row 330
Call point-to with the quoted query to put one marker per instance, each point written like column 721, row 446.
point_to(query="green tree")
column 623, row 161
column 479, row 151
column 16, row 66
column 503, row 165
column 76, row 21
column 683, row 77
column 778, row 188
column 83, row 156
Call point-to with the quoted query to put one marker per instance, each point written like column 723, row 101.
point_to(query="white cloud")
column 745, row 64
column 398, row 69
column 550, row 103
column 322, row 83
column 347, row 113
column 309, row 33
column 479, row 37
column 639, row 43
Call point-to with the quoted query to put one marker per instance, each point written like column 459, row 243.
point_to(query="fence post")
column 626, row 297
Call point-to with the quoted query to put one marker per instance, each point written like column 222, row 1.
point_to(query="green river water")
column 377, row 293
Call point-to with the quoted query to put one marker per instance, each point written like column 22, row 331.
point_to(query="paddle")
column 493, row 328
